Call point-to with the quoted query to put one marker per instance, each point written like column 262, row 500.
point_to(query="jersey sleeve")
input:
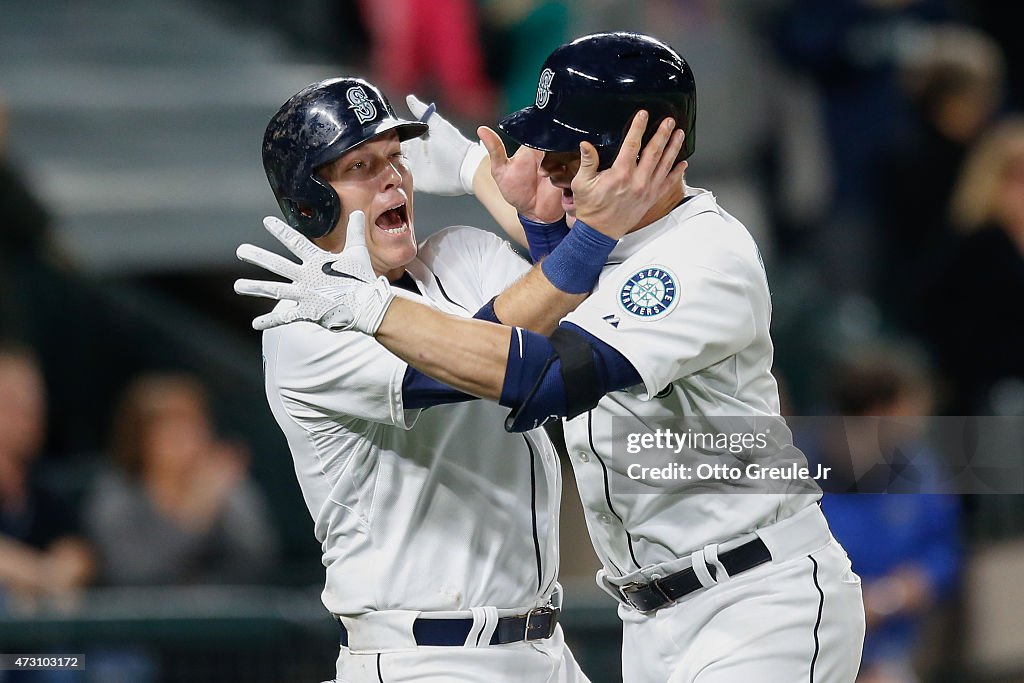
column 671, row 314
column 323, row 377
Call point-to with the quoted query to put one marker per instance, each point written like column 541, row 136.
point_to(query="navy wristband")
column 576, row 263
column 542, row 238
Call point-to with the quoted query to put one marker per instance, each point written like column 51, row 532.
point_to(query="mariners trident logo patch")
column 360, row 104
column 649, row 293
column 544, row 88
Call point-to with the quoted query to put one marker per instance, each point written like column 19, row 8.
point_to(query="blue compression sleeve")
column 542, row 238
column 576, row 263
column 534, row 387
column 421, row 391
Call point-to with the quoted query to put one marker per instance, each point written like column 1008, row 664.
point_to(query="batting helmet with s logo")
column 316, row 126
column 590, row 89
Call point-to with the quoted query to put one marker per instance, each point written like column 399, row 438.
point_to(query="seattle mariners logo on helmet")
column 544, row 88
column 649, row 293
column 360, row 104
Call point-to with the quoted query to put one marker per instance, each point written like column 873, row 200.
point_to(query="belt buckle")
column 529, row 625
column 627, row 591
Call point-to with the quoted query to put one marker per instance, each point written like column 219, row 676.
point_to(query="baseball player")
column 439, row 529
column 721, row 579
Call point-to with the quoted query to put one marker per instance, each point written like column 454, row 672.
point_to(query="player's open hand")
column 336, row 291
column 443, row 161
column 614, row 200
column 519, row 181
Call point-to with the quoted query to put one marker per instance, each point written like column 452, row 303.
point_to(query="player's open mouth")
column 394, row 221
column 568, row 203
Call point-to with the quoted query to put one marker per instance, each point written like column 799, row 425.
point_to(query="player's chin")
column 392, row 257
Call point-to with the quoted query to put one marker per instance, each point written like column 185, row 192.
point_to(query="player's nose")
column 390, row 176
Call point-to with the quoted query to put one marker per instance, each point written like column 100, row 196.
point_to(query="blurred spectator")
column 179, row 508
column 971, row 312
column 413, row 40
column 519, row 33
column 954, row 80
column 41, row 553
column 853, row 49
column 904, row 545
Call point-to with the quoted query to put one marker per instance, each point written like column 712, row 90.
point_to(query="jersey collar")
column 697, row 201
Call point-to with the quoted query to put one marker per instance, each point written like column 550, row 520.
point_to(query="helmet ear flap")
column 316, row 213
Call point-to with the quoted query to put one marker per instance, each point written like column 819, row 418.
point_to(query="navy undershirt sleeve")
column 534, row 387
column 487, row 313
column 542, row 238
column 422, row 391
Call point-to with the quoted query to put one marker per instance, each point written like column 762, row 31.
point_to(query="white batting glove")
column 443, row 161
column 336, row 291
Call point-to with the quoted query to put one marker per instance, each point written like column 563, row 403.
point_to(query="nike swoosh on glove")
column 336, row 291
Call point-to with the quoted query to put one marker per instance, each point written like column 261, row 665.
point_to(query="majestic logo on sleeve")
column 649, row 293
column 544, row 88
column 360, row 103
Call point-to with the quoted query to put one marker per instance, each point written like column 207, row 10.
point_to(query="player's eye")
column 357, row 166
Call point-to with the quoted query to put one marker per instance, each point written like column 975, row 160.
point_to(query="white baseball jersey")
column 431, row 510
column 686, row 301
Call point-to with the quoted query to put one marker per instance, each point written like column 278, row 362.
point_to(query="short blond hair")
column 975, row 196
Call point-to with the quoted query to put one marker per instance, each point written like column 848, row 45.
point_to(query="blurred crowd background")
column 149, row 515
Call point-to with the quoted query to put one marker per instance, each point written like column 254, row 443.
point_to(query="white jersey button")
column 604, row 518
column 583, row 456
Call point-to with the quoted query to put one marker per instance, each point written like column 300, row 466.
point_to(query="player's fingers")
column 589, row 162
column 634, row 137
column 268, row 260
column 668, row 157
column 274, row 319
column 676, row 176
column 289, row 237
column 355, row 232
column 655, row 147
column 494, row 146
column 419, row 108
column 266, row 289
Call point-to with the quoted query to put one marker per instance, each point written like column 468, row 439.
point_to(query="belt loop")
column 485, row 620
column 710, row 556
column 700, row 568
column 555, row 600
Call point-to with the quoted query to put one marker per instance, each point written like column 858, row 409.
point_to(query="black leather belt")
column 537, row 624
column 648, row 597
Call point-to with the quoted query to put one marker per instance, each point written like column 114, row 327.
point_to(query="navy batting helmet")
column 591, row 88
column 316, row 126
